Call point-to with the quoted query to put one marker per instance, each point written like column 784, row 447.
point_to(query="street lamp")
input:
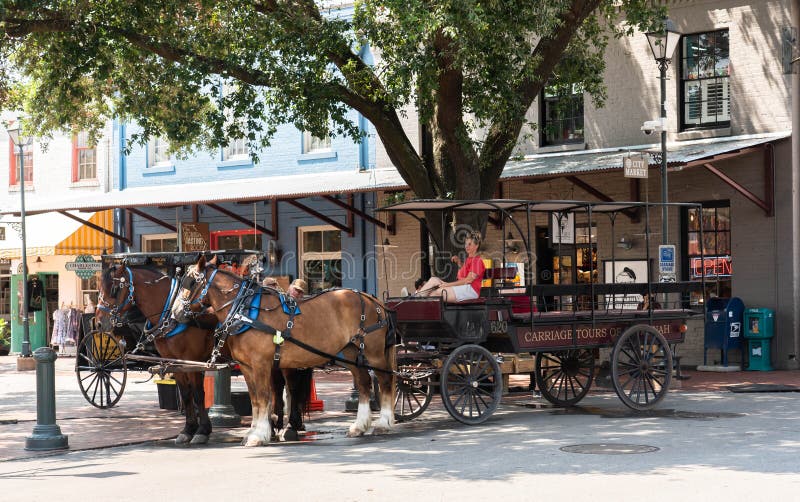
column 21, row 141
column 663, row 44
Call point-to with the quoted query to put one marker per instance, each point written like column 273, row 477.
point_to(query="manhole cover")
column 608, row 448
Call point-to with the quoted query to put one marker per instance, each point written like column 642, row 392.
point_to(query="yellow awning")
column 86, row 240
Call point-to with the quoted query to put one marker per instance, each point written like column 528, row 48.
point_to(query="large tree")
column 470, row 69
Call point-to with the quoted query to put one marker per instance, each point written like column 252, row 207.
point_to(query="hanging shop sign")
column 194, row 236
column 635, row 166
column 84, row 266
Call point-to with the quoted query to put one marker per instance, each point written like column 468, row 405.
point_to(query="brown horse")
column 335, row 325
column 126, row 289
column 123, row 289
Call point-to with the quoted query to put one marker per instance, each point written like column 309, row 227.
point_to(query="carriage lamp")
column 21, row 141
column 663, row 43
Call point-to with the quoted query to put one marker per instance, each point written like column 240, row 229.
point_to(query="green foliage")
column 5, row 333
column 202, row 72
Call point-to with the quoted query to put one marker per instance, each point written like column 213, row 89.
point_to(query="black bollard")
column 221, row 412
column 46, row 433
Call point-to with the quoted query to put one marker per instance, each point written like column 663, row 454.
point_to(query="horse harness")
column 166, row 327
column 115, row 311
column 248, row 297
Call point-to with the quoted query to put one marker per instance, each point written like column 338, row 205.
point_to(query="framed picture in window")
column 622, row 272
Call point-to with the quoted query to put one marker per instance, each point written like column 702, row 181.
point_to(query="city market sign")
column 84, row 266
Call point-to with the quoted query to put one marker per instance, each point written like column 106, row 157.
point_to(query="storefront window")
column 5, row 290
column 156, row 243
column 577, row 264
column 715, row 261
column 89, row 290
column 321, row 257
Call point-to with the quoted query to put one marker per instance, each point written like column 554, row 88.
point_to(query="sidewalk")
column 138, row 419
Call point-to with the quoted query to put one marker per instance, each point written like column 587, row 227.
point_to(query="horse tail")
column 302, row 387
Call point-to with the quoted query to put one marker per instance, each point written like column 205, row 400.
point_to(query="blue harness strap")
column 255, row 305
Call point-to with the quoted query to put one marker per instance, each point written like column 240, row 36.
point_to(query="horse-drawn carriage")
column 456, row 347
column 420, row 343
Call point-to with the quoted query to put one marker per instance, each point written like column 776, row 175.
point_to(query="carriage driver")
column 467, row 285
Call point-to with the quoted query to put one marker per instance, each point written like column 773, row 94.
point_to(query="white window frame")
column 157, row 237
column 86, row 170
column 313, row 144
column 302, row 256
column 158, row 152
column 236, row 150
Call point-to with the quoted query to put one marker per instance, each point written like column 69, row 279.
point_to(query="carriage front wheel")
column 414, row 390
column 641, row 367
column 472, row 384
column 100, row 368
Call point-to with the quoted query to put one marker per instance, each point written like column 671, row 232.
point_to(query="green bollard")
column 46, row 433
column 221, row 412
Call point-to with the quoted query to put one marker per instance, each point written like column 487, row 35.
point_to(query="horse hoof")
column 199, row 439
column 252, row 441
column 378, row 430
column 289, row 435
column 355, row 433
column 183, row 439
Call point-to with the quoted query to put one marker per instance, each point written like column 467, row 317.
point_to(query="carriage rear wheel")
column 564, row 377
column 101, row 369
column 413, row 394
column 641, row 367
column 472, row 384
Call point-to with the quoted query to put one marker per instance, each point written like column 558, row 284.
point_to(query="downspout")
column 363, row 166
column 793, row 362
column 119, row 214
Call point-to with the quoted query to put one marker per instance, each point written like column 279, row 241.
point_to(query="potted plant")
column 5, row 338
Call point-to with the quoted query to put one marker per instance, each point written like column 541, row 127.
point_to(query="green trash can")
column 759, row 329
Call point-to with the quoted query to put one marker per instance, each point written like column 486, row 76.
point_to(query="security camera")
column 651, row 126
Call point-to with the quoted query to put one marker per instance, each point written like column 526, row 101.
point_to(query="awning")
column 250, row 189
column 87, row 240
column 679, row 154
column 55, row 234
column 297, row 186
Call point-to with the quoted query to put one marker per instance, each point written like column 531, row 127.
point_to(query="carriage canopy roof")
column 510, row 205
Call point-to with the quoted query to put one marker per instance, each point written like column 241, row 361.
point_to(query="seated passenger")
column 467, row 286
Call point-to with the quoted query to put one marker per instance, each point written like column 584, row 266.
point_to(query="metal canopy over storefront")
column 532, row 169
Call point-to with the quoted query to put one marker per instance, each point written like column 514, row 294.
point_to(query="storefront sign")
column 711, row 266
column 194, row 237
column 84, row 266
column 635, row 166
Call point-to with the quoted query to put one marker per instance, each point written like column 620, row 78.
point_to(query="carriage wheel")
column 101, row 369
column 641, row 367
column 412, row 397
column 564, row 377
column 472, row 384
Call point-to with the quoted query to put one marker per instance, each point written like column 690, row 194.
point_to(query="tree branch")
column 503, row 134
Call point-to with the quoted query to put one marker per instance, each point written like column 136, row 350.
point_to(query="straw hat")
column 300, row 285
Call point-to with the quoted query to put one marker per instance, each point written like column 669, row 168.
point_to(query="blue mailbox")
column 724, row 321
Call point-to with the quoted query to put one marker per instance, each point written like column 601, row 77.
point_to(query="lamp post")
column 15, row 133
column 663, row 44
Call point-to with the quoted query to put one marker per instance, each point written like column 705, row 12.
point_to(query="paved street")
column 702, row 445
